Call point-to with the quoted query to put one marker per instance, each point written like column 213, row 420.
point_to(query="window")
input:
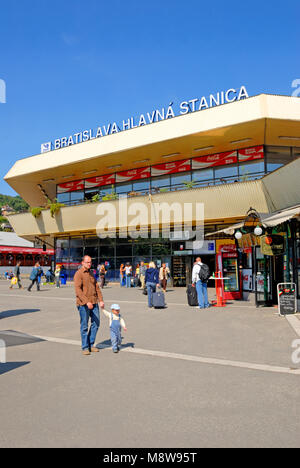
column 90, row 193
column 62, row 249
column 124, row 250
column 124, row 188
column 204, row 174
column 277, row 156
column 63, row 197
column 141, row 185
column 77, row 196
column 251, row 167
column 160, row 182
column 225, row 172
column 76, row 249
column 177, row 179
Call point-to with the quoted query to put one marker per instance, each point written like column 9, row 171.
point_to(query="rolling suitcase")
column 192, row 296
column 158, row 300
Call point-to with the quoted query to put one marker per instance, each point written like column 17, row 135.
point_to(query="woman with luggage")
column 151, row 281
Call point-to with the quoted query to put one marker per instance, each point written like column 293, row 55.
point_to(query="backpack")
column 204, row 273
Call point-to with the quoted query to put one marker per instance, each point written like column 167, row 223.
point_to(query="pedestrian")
column 116, row 322
column 88, row 294
column 200, row 276
column 164, row 274
column 102, row 273
column 34, row 277
column 143, row 269
column 40, row 274
column 122, row 270
column 49, row 275
column 128, row 274
column 151, row 280
column 17, row 273
column 57, row 275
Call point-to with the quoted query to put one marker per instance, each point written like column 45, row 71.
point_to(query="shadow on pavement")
column 9, row 366
column 14, row 338
column 16, row 312
column 107, row 344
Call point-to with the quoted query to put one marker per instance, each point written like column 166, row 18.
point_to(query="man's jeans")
column 201, row 288
column 151, row 288
column 88, row 337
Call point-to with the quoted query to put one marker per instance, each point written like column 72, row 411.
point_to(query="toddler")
column 115, row 324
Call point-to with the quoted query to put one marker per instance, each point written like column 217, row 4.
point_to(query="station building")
column 231, row 157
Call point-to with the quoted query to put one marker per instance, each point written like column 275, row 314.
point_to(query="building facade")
column 226, row 158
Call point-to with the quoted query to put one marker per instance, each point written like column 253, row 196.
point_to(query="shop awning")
column 267, row 220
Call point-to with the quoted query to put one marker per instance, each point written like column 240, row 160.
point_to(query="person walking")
column 57, row 275
column 34, row 277
column 40, row 274
column 200, row 276
column 116, row 322
column 128, row 274
column 17, row 273
column 164, row 273
column 151, row 280
column 143, row 270
column 88, row 295
column 102, row 273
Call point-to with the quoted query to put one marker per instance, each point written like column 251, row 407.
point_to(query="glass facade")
column 245, row 168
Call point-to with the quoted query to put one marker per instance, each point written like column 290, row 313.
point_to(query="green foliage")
column 54, row 207
column 189, row 184
column 36, row 211
column 110, row 196
column 16, row 203
column 96, row 198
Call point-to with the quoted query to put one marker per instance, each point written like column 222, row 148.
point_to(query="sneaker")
column 208, row 306
column 86, row 352
column 115, row 350
column 94, row 349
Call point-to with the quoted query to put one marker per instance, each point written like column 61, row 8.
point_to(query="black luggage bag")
column 192, row 296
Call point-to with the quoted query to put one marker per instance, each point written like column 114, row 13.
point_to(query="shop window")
column 2, row 259
column 91, row 241
column 225, row 174
column 124, row 250
column 63, row 197
column 9, row 259
column 20, row 258
column 37, row 258
column 107, row 251
column 62, row 249
column 142, row 249
column 203, row 175
column 91, row 252
column 29, row 260
column 296, row 153
column 76, row 249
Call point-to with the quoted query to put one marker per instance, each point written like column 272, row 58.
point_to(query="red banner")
column 250, row 154
column 100, row 180
column 171, row 167
column 70, row 186
column 133, row 174
column 25, row 250
column 220, row 159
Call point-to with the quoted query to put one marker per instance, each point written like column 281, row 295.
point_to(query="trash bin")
column 63, row 278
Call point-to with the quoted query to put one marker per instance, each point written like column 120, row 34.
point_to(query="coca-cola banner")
column 70, row 186
column 171, row 167
column 220, row 159
column 133, row 174
column 100, row 180
column 250, row 154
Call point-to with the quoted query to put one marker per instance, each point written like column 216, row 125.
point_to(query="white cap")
column 115, row 307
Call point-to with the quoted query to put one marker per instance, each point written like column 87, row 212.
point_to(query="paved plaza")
column 219, row 377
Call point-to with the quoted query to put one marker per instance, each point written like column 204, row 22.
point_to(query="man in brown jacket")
column 88, row 295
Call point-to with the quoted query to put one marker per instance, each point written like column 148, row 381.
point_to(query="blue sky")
column 73, row 65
